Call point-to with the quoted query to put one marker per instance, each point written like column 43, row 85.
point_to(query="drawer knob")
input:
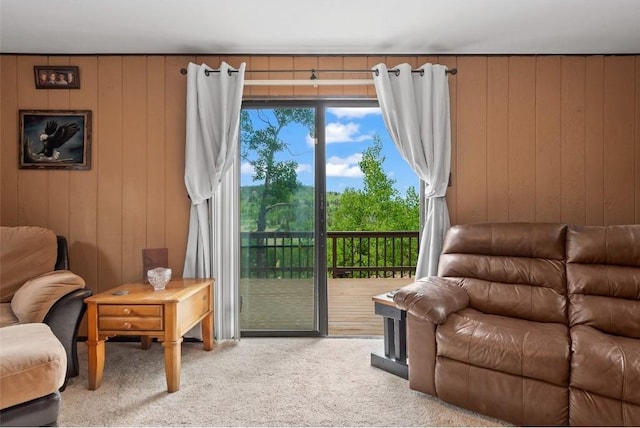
column 127, row 325
column 127, row 311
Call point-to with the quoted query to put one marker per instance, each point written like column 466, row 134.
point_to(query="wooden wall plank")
column 356, row 63
column 83, row 185
column 332, row 63
column 637, row 132
column 573, row 140
column 177, row 203
column 58, row 180
column 257, row 63
column 619, row 120
column 33, row 195
column 411, row 60
column 9, row 138
column 471, row 128
column 110, row 182
column 134, row 165
column 212, row 61
column 155, row 153
column 548, row 146
column 594, row 141
column 280, row 63
column 522, row 173
column 498, row 139
column 372, row 61
column 305, row 63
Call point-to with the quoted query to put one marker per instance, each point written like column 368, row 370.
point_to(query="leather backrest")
column 603, row 278
column 510, row 269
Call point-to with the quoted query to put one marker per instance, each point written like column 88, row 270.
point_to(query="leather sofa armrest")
column 432, row 298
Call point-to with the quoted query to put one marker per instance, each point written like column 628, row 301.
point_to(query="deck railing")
column 349, row 254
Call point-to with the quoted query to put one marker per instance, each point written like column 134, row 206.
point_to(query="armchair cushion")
column 33, row 363
column 432, row 298
column 32, row 301
column 25, row 252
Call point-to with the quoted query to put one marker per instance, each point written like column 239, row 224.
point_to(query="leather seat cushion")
column 615, row 360
column 510, row 345
column 33, row 363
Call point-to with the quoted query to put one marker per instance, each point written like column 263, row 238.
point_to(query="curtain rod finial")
column 183, row 71
column 453, row 71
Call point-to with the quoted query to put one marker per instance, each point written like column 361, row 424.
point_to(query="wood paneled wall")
column 535, row 138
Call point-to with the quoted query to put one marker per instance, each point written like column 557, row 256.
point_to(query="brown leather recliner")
column 603, row 279
column 516, row 311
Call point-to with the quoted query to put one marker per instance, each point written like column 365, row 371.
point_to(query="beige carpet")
column 256, row 382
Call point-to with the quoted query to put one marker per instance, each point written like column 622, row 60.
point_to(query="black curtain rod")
column 313, row 71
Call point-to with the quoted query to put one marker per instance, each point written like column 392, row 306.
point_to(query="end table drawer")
column 130, row 323
column 130, row 317
column 130, row 310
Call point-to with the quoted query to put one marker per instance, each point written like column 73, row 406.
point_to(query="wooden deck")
column 288, row 304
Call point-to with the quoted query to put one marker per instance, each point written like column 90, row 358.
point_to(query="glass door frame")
column 320, row 265
column 320, row 229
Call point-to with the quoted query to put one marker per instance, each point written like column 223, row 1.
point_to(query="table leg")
column 95, row 348
column 172, row 355
column 207, row 332
column 95, row 353
column 400, row 340
column 389, row 338
column 145, row 342
column 395, row 341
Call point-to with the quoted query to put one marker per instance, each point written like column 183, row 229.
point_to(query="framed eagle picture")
column 55, row 139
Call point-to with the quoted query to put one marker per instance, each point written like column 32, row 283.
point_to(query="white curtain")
column 415, row 107
column 211, row 173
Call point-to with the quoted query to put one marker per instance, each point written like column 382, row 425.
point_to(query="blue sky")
column 349, row 131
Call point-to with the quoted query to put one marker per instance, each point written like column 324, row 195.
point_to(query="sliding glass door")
column 283, row 268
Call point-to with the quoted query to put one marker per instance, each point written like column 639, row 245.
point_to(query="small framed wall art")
column 55, row 139
column 57, row 76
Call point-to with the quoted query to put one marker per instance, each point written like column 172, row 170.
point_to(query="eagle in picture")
column 55, row 136
column 56, row 142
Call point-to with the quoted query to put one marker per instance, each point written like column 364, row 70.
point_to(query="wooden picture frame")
column 55, row 139
column 57, row 76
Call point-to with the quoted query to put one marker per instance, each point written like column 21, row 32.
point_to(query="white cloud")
column 246, row 169
column 305, row 167
column 344, row 167
column 353, row 112
column 337, row 132
column 311, row 142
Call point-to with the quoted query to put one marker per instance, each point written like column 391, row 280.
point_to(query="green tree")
column 261, row 143
column 378, row 205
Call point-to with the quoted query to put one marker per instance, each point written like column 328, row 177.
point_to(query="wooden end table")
column 394, row 359
column 137, row 310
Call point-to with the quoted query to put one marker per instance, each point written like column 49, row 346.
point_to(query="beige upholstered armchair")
column 37, row 287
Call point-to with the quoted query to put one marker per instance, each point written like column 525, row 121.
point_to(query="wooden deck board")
column 288, row 304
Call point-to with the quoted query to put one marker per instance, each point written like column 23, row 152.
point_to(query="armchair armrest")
column 34, row 299
column 56, row 299
column 64, row 318
column 432, row 298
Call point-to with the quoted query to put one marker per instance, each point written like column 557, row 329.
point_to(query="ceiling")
column 320, row 27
